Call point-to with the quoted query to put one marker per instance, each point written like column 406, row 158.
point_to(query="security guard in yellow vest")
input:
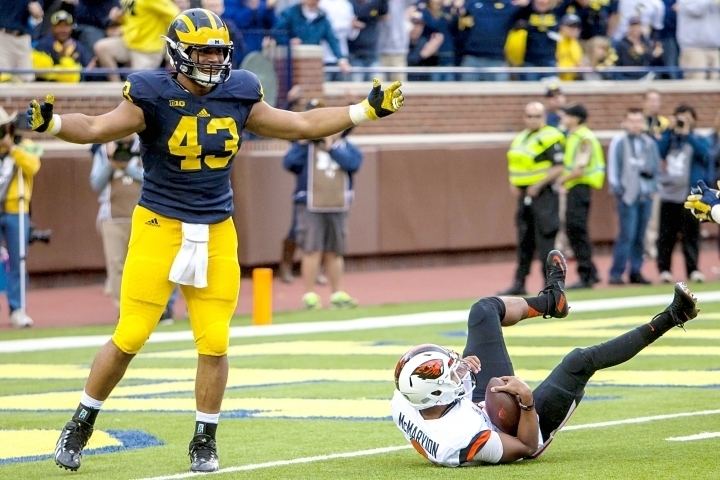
column 584, row 170
column 534, row 164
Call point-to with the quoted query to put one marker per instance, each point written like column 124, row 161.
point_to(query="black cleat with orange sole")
column 555, row 271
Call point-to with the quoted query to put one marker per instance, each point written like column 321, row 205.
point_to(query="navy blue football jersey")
column 189, row 143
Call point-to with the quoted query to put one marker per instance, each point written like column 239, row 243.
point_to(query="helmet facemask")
column 430, row 375
column 205, row 74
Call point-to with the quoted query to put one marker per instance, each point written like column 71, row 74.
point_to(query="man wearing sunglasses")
column 535, row 161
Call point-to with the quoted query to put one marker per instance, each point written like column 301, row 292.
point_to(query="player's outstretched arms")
column 125, row 119
column 704, row 202
column 267, row 121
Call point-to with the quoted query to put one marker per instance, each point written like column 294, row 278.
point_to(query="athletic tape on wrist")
column 358, row 114
column 55, row 125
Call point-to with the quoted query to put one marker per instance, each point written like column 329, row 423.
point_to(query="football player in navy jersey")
column 190, row 124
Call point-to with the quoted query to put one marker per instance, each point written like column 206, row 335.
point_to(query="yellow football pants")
column 145, row 290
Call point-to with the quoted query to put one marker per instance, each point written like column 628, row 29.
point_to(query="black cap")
column 571, row 20
column 577, row 110
column 553, row 90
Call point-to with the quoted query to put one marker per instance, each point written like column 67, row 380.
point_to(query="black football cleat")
column 203, row 454
column 683, row 307
column 555, row 271
column 73, row 438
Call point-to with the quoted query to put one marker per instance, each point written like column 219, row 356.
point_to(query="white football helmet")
column 429, row 375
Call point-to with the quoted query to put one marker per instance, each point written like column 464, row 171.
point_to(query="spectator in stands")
column 686, row 160
column 15, row 48
column 424, row 47
column 364, row 49
column 440, row 19
column 698, row 34
column 668, row 40
column 599, row 55
column 19, row 162
column 633, row 168
column 655, row 123
column 535, row 162
column 307, row 24
column 650, row 12
column 637, row 50
column 254, row 18
column 324, row 171
column 541, row 19
column 341, row 15
column 569, row 53
column 482, row 29
column 93, row 19
column 596, row 16
column 42, row 26
column 584, row 172
column 394, row 36
column 554, row 101
column 59, row 51
column 144, row 23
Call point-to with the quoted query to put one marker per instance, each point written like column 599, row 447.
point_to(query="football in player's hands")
column 502, row 408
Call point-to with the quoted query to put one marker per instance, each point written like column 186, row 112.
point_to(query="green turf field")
column 315, row 406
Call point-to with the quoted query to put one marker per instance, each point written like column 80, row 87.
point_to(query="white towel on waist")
column 190, row 264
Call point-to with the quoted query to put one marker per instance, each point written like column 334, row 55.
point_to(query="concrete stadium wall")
column 410, row 198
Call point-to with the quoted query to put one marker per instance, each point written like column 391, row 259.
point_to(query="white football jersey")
column 463, row 436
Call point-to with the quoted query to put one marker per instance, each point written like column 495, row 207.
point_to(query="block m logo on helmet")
column 199, row 46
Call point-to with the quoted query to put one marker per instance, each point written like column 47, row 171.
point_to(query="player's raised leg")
column 487, row 316
column 559, row 394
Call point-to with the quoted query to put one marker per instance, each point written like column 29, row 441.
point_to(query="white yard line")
column 378, row 451
column 697, row 436
column 367, row 323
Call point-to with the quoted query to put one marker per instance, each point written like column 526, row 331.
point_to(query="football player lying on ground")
column 438, row 411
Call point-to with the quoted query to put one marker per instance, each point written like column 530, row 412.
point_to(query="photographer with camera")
column 19, row 162
column 685, row 160
column 117, row 175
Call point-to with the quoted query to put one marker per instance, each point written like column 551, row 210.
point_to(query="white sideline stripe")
column 376, row 451
column 697, row 436
column 282, row 463
column 367, row 323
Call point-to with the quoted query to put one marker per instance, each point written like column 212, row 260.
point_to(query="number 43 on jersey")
column 184, row 142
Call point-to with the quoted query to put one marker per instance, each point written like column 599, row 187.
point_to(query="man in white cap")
column 19, row 162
